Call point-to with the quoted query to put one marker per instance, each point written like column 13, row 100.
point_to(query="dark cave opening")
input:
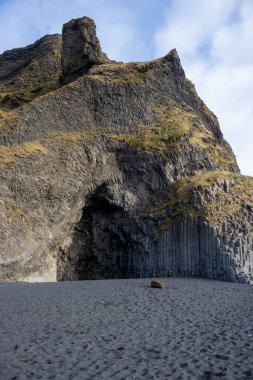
column 110, row 242
column 102, row 244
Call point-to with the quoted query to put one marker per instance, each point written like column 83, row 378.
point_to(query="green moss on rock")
column 213, row 196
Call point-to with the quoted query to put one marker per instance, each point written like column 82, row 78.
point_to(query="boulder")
column 157, row 284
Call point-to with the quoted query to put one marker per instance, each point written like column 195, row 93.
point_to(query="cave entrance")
column 102, row 244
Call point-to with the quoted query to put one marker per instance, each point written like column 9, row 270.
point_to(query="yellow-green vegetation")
column 220, row 153
column 10, row 154
column 122, row 73
column 176, row 127
column 31, row 81
column 152, row 138
column 173, row 125
column 7, row 120
column 5, row 116
column 17, row 98
column 19, row 216
column 173, row 121
column 202, row 137
column 226, row 199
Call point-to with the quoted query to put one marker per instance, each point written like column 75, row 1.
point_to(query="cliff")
column 114, row 169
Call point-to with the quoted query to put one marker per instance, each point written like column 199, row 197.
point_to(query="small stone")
column 157, row 284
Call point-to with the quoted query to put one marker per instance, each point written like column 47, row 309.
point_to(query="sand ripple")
column 123, row 329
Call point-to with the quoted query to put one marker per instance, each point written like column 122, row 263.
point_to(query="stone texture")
column 122, row 173
column 80, row 48
column 26, row 73
column 157, row 284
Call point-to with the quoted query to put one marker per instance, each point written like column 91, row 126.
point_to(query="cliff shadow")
column 103, row 244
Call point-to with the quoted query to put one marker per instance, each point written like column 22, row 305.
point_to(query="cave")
column 110, row 242
column 104, row 243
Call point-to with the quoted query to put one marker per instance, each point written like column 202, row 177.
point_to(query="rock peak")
column 129, row 171
column 173, row 58
column 80, row 48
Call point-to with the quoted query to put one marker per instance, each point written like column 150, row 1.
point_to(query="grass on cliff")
column 16, row 215
column 11, row 154
column 225, row 201
column 5, row 115
column 67, row 137
column 17, row 98
column 59, row 140
column 175, row 128
column 30, row 82
column 122, row 73
column 170, row 128
column 172, row 123
column 153, row 138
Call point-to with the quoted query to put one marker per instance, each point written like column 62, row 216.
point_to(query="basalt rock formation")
column 114, row 169
column 80, row 48
column 26, row 73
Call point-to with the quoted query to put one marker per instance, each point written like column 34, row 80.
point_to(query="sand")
column 123, row 329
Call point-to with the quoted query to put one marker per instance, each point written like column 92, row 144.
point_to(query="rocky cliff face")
column 80, row 48
column 119, row 170
column 26, row 73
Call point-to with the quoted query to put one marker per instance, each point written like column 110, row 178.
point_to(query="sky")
column 213, row 39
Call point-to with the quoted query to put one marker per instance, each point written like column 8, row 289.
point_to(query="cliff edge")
column 114, row 169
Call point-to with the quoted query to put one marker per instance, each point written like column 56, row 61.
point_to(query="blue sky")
column 125, row 27
column 213, row 39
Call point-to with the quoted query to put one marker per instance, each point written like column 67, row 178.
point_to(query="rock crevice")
column 114, row 169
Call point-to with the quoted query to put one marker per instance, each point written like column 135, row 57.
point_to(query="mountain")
column 111, row 169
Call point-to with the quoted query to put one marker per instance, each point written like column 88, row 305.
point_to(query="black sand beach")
column 123, row 329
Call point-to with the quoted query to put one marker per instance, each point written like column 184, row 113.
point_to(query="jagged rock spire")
column 80, row 48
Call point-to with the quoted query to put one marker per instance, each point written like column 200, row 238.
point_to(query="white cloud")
column 22, row 22
column 214, row 40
